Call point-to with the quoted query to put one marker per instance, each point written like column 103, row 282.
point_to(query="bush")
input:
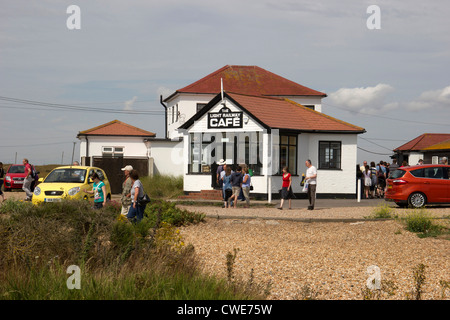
column 163, row 186
column 168, row 212
column 418, row 221
column 382, row 212
column 118, row 259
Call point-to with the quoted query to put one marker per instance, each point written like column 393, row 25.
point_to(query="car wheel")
column 417, row 200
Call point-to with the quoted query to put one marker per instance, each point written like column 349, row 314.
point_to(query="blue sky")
column 393, row 81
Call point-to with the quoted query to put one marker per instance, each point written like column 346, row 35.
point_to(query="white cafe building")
column 248, row 115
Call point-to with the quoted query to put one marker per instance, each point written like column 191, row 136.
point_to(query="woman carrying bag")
column 137, row 208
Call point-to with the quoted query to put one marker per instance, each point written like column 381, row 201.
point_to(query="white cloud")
column 368, row 99
column 129, row 104
column 430, row 99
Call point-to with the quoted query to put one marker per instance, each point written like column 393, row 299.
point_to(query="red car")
column 417, row 186
column 14, row 177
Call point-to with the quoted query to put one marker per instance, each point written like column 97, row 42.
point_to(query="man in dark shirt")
column 236, row 184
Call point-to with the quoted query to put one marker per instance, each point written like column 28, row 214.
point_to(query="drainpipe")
column 165, row 115
column 87, row 152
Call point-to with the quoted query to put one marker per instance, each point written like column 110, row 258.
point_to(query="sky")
column 56, row 81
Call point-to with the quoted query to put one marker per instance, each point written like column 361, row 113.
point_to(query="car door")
column 435, row 184
column 448, row 183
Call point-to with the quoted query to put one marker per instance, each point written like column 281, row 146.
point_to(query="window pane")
column 419, row 173
column 283, row 157
column 284, row 139
column 434, row 173
column 292, row 140
column 329, row 154
column 292, row 160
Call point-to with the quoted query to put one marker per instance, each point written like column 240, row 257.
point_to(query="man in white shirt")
column 311, row 179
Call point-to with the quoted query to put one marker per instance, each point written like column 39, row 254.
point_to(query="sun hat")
column 127, row 168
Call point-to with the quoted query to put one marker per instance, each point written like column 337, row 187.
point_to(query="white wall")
column 330, row 181
column 308, row 101
column 187, row 108
column 133, row 146
column 414, row 158
column 167, row 157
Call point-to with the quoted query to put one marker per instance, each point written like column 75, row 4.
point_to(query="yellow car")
column 69, row 182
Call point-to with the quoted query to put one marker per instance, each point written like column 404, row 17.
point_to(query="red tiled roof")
column 287, row 114
column 444, row 145
column 277, row 113
column 117, row 128
column 251, row 80
column 424, row 141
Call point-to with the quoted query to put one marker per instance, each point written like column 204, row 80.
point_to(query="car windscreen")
column 398, row 173
column 16, row 169
column 67, row 175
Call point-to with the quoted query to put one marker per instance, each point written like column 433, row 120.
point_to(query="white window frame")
column 112, row 151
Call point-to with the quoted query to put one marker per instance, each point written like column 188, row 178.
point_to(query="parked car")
column 69, row 182
column 14, row 177
column 417, row 186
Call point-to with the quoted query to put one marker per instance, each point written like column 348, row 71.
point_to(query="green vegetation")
column 163, row 186
column 382, row 211
column 117, row 259
column 421, row 222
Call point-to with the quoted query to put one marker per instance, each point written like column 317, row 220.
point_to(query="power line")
column 379, row 145
column 35, row 145
column 384, row 117
column 382, row 154
column 67, row 107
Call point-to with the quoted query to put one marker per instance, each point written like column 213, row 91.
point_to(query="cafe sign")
column 225, row 119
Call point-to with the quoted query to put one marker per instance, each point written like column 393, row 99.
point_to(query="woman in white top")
column 367, row 174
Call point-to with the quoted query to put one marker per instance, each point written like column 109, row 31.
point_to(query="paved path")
column 334, row 203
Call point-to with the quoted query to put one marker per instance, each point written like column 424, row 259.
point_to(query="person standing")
column 311, row 179
column 236, row 183
column 27, row 180
column 367, row 180
column 99, row 191
column 137, row 210
column 227, row 188
column 126, row 190
column 2, row 174
column 246, row 181
column 286, row 188
column 220, row 169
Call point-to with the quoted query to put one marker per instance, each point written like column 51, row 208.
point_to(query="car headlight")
column 73, row 191
column 8, row 178
column 37, row 191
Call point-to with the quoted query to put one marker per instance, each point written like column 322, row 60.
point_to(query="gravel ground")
column 331, row 258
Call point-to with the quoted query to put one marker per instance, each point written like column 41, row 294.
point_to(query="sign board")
column 225, row 119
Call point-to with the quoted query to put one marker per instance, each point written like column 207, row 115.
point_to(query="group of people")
column 235, row 185
column 373, row 177
column 132, row 192
column 309, row 184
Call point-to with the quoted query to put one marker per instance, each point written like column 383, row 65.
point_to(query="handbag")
column 142, row 201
